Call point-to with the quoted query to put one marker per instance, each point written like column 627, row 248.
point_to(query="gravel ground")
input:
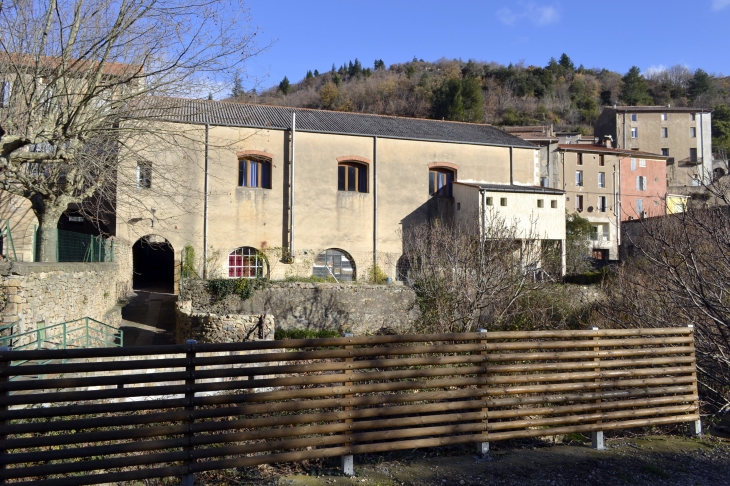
column 650, row 460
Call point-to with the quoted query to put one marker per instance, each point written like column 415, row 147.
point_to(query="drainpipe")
column 511, row 175
column 484, row 214
column 375, row 201
column 205, row 207
column 291, row 187
column 617, row 203
column 624, row 130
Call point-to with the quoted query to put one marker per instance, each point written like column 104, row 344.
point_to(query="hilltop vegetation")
column 560, row 93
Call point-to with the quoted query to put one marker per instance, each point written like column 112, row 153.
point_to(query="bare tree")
column 679, row 275
column 465, row 278
column 77, row 79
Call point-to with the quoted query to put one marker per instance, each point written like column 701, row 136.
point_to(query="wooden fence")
column 102, row 415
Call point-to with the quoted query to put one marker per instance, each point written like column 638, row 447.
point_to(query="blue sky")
column 615, row 34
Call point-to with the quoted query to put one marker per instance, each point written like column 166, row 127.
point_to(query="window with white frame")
column 579, row 202
column 639, row 206
column 642, row 162
column 633, row 117
column 633, row 164
column 246, row 262
column 634, row 132
column 578, row 177
column 601, row 179
column 664, row 117
column 692, row 132
column 640, row 183
column 602, row 204
column 665, row 132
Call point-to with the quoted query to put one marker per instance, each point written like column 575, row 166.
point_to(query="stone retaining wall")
column 361, row 309
column 205, row 327
column 42, row 294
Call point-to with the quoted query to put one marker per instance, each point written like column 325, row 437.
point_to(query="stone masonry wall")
column 42, row 294
column 361, row 309
column 205, row 327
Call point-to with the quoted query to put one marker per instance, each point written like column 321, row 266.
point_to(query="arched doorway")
column 154, row 264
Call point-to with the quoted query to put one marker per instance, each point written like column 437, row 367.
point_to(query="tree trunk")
column 47, row 239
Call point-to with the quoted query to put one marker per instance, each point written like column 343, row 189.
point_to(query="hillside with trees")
column 560, row 93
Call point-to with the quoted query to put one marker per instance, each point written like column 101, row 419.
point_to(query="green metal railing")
column 80, row 333
column 80, row 247
column 6, row 242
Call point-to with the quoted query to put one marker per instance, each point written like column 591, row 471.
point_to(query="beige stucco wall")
column 323, row 216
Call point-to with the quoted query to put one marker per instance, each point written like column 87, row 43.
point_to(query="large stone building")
column 683, row 135
column 283, row 191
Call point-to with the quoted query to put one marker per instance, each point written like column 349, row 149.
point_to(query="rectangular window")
column 633, row 117
column 144, row 175
column 692, row 132
column 502, row 201
column 664, row 117
column 633, row 164
column 578, row 177
column 490, row 201
column 602, row 204
column 544, row 181
column 254, row 173
column 554, row 204
column 665, row 132
column 695, row 180
column 601, row 179
column 579, row 203
column 692, row 116
column 634, row 132
column 639, row 206
column 642, row 162
column 540, row 203
column 640, row 183
column 439, row 182
column 580, row 159
column 601, row 160
column 665, row 152
column 693, row 155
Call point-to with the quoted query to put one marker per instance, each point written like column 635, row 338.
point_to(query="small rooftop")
column 487, row 186
column 658, row 109
column 601, row 149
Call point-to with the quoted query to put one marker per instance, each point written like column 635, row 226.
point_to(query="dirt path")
column 648, row 460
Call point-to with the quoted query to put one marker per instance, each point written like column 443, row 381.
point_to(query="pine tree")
column 635, row 89
column 284, row 86
column 237, row 86
column 316, row 73
column 309, row 75
column 699, row 84
column 566, row 62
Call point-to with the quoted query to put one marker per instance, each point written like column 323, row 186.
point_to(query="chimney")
column 608, row 141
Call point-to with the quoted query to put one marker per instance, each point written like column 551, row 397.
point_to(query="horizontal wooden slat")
column 601, row 395
column 578, row 365
column 625, row 424
column 588, row 375
column 644, row 402
column 117, row 476
column 604, row 416
column 613, row 353
column 588, row 334
column 100, row 380
column 604, row 343
column 93, row 408
column 87, row 395
column 95, row 366
column 512, row 390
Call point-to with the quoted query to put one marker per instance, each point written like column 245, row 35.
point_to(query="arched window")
column 254, row 172
column 352, row 177
column 335, row 264
column 246, row 262
column 439, row 181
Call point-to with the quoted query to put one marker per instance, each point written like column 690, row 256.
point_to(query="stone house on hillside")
column 284, row 191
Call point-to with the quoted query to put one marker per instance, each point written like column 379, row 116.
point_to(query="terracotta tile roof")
column 322, row 121
column 580, row 147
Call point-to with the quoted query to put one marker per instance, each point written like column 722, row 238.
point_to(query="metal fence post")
column 597, row 435
column 348, row 466
column 187, row 479
column 483, row 447
column 695, row 427
column 4, row 365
